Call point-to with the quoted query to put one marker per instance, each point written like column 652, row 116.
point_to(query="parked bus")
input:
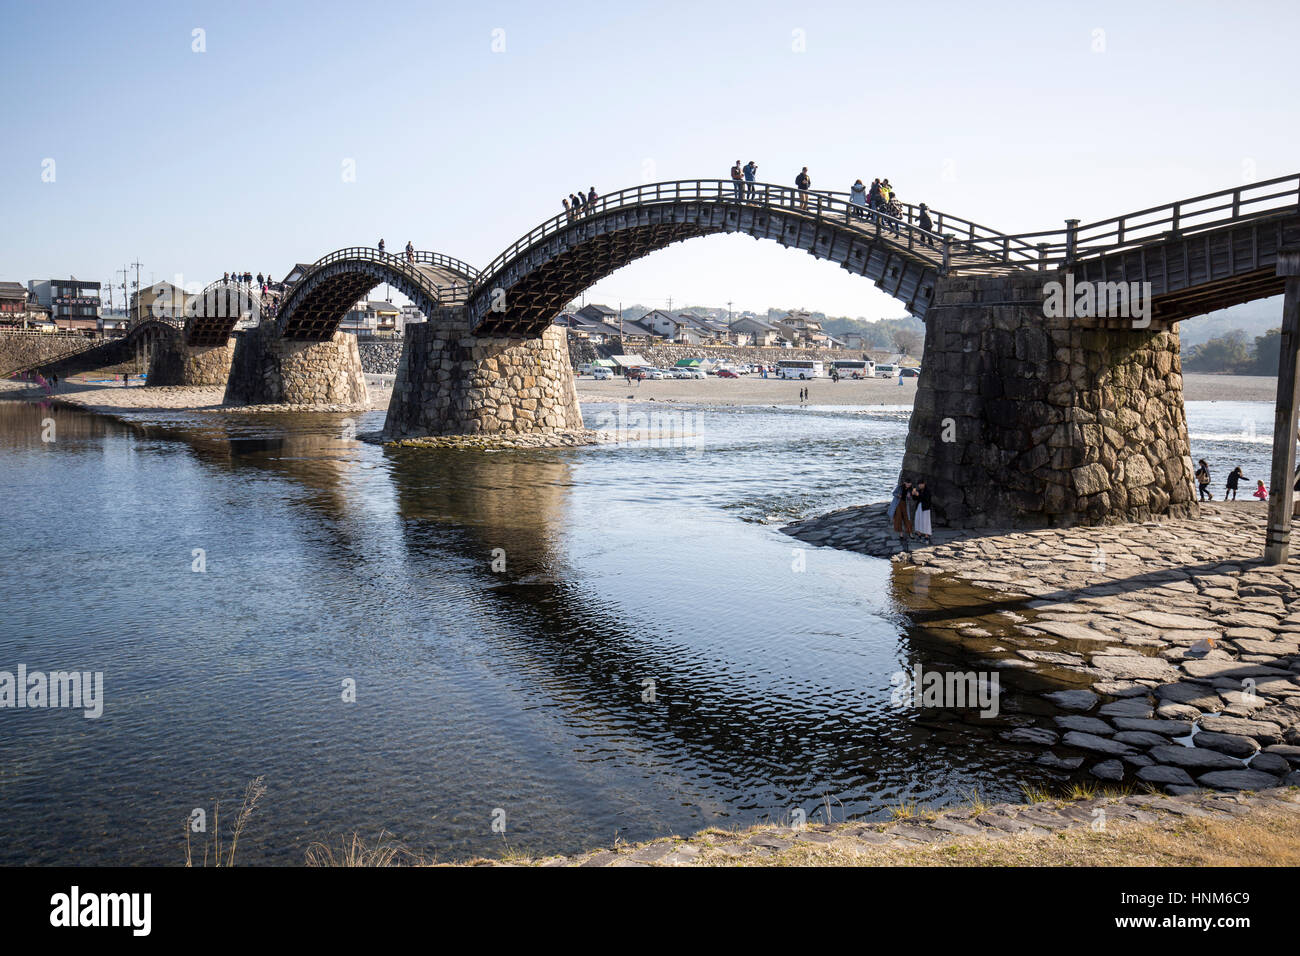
column 798, row 368
column 855, row 369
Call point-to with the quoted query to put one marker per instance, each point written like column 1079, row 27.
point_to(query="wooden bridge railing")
column 1062, row 247
column 819, row 205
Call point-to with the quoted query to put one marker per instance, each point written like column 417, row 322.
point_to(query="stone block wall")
column 27, row 350
column 451, row 382
column 173, row 362
column 380, row 356
column 267, row 369
column 1022, row 420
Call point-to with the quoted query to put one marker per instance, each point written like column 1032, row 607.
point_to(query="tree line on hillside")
column 1233, row 353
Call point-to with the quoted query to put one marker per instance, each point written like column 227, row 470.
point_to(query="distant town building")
column 599, row 313
column 410, row 316
column 13, row 304
column 73, row 303
column 754, row 331
column 162, row 300
column 371, row 315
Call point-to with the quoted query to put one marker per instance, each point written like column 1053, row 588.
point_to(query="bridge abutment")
column 268, row 369
column 452, row 382
column 172, row 361
column 1025, row 420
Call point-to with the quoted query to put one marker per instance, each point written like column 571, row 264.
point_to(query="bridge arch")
column 314, row 307
column 525, row 287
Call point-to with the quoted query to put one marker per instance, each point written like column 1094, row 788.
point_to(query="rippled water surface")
column 522, row 689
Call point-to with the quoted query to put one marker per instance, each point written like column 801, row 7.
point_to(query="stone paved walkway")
column 1174, row 649
column 997, row 822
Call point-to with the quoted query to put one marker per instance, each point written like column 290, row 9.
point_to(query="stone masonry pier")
column 174, row 362
column 1022, row 420
column 268, row 369
column 451, row 382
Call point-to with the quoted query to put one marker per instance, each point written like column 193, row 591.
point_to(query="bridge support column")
column 173, row 362
column 270, row 370
column 451, row 382
column 1025, row 420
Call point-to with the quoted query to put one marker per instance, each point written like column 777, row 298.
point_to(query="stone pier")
column 270, row 370
column 452, row 382
column 173, row 362
column 1022, row 420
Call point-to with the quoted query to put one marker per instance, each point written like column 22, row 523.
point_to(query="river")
column 589, row 644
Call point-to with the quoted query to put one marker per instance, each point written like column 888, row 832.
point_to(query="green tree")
column 1268, row 352
column 1224, row 353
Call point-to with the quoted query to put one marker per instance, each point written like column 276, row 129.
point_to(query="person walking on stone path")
column 803, row 183
column 926, row 225
column 1260, row 491
column 1203, row 481
column 737, row 181
column 858, row 196
column 1233, row 477
column 921, row 495
column 898, row 516
column 751, row 173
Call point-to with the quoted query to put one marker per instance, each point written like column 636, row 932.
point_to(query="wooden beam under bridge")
column 1286, row 415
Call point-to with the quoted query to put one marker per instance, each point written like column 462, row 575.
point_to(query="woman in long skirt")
column 922, row 495
column 898, row 511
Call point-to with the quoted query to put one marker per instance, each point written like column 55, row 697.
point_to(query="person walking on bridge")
column 751, row 173
column 381, row 245
column 410, row 251
column 803, row 183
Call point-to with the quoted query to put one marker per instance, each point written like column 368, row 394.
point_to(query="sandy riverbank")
column 752, row 390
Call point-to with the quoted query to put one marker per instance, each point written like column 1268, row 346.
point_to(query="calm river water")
column 523, row 690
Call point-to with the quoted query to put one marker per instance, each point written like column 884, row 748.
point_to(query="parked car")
column 636, row 374
column 601, row 374
column 727, row 373
column 909, row 372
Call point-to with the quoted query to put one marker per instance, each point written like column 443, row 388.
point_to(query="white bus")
column 887, row 371
column 855, row 369
column 796, row 368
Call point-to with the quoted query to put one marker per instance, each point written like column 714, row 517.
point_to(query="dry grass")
column 355, row 852
column 221, row 854
column 1266, row 837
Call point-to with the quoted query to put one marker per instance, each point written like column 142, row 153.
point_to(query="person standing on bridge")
column 578, row 204
column 737, row 178
column 803, row 182
column 591, row 198
column 410, row 252
column 568, row 210
column 926, row 225
column 381, row 245
column 751, row 174
column 858, row 196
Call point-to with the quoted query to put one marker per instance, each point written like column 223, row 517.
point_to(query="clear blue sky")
column 232, row 158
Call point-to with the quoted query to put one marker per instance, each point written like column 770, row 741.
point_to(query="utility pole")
column 670, row 305
column 126, row 299
column 728, row 311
